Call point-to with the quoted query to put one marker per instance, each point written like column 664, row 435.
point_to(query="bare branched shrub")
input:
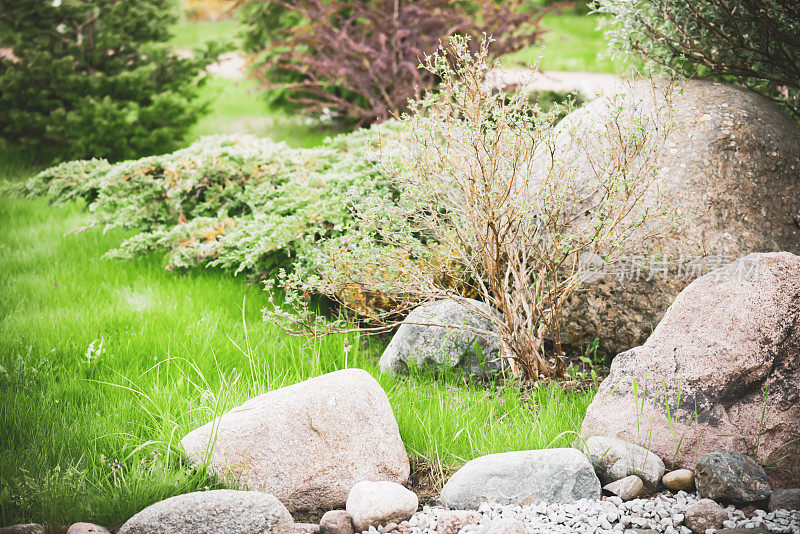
column 486, row 205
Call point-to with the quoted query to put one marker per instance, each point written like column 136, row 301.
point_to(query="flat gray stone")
column 785, row 499
column 522, row 477
column 213, row 512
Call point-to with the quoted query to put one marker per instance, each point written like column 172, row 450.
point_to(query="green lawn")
column 236, row 106
column 189, row 35
column 572, row 43
column 79, row 427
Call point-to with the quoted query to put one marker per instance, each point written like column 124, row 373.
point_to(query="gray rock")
column 615, row 459
column 211, row 512
column 307, row 443
column 522, row 477
column 336, row 522
column 731, row 166
column 306, row 528
column 704, row 514
column 448, row 346
column 727, row 337
column 630, row 487
column 731, row 477
column 86, row 528
column 785, row 499
column 679, row 480
column 372, row 504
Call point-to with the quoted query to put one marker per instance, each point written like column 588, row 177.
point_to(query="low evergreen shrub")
column 241, row 203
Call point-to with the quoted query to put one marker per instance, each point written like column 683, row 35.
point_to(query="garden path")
column 231, row 65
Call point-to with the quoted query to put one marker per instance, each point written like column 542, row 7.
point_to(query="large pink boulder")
column 721, row 371
column 731, row 166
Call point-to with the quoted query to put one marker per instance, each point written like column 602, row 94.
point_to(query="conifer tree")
column 93, row 78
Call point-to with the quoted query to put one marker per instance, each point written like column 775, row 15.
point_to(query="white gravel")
column 663, row 513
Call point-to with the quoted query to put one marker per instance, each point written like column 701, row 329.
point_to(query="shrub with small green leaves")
column 87, row 78
column 753, row 42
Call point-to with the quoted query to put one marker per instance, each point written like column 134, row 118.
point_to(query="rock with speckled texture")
column 627, row 488
column 703, row 515
column 24, row 528
column 212, row 512
column 615, row 459
column 433, row 336
column 699, row 384
column 731, row 477
column 373, row 504
column 522, row 477
column 786, row 499
column 731, row 164
column 86, row 528
column 307, row 443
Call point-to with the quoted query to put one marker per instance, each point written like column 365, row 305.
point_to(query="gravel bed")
column 663, row 513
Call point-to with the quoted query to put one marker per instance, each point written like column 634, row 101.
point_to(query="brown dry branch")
column 492, row 200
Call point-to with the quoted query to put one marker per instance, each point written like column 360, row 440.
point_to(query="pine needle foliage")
column 88, row 78
column 240, row 203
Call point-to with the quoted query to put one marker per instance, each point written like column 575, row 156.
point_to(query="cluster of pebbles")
column 663, row 513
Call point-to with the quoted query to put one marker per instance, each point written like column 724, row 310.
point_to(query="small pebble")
column 680, row 479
